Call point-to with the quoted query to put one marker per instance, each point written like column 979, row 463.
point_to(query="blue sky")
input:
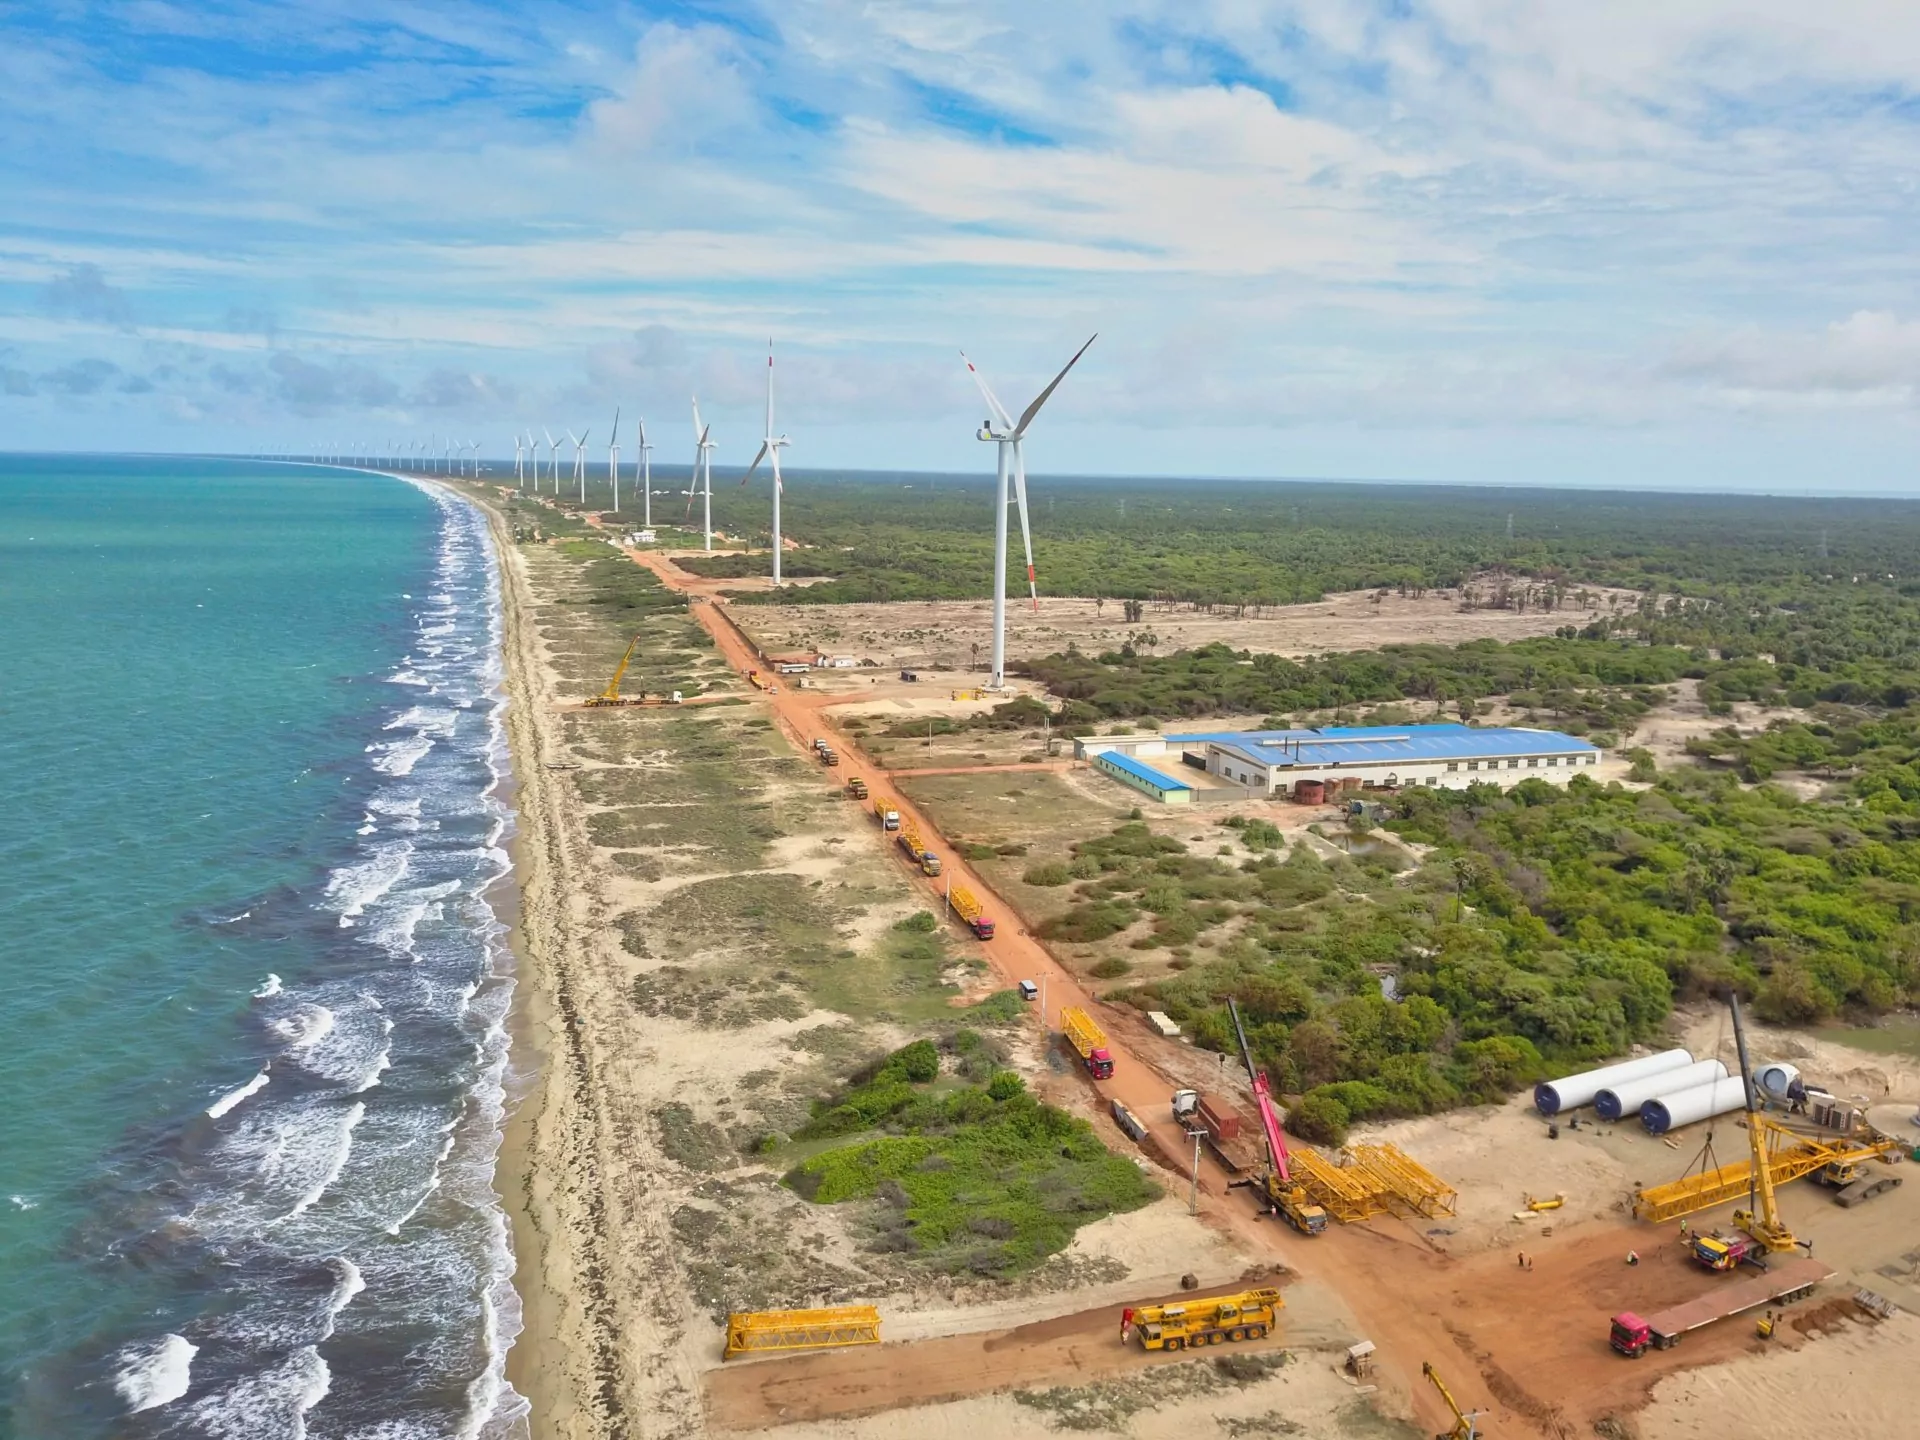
column 1639, row 243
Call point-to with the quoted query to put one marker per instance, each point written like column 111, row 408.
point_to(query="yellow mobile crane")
column 1463, row 1420
column 1765, row 1230
column 611, row 695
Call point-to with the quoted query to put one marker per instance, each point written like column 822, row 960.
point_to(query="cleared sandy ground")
column 942, row 634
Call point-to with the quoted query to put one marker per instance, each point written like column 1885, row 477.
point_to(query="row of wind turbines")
column 526, row 467
column 999, row 428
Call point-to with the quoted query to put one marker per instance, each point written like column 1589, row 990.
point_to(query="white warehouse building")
column 1277, row 762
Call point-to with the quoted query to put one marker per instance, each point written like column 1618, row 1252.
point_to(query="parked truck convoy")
column 1781, row 1284
column 1088, row 1040
column 966, row 905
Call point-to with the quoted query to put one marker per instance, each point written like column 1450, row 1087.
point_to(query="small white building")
column 835, row 662
column 1377, row 756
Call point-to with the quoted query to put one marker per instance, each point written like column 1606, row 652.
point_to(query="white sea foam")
column 408, row 677
column 231, row 919
column 268, row 987
column 305, row 1027
column 354, row 887
column 271, row 1403
column 21, row 1202
column 152, row 1373
column 233, row 1097
column 427, row 719
column 342, row 1148
column 348, row 1283
column 398, row 757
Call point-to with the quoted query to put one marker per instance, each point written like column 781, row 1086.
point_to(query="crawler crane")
column 1463, row 1420
column 1284, row 1195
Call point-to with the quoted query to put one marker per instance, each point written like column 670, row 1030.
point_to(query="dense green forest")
column 1265, row 543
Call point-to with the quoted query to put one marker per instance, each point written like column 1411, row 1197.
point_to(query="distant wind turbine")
column 646, row 477
column 580, row 461
column 553, row 463
column 613, row 459
column 519, row 462
column 1003, row 431
column 769, row 451
column 702, row 464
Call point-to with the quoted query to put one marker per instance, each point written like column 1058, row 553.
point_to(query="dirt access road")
column 1528, row 1347
column 1072, row 1349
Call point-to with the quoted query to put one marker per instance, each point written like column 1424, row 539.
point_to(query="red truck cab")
column 983, row 927
column 1100, row 1063
column 1630, row 1335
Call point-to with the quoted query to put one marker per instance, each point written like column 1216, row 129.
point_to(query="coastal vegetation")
column 971, row 1173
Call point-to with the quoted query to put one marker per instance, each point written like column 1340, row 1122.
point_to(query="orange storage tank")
column 1310, row 792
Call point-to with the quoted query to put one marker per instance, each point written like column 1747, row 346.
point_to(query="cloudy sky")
column 1639, row 242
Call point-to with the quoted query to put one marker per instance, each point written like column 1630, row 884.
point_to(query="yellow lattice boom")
column 1790, row 1155
column 755, row 1330
column 1345, row 1192
column 1407, row 1182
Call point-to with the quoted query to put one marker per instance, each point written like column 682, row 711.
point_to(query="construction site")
column 1540, row 1267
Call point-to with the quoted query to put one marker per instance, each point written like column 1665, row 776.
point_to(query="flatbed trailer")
column 1781, row 1284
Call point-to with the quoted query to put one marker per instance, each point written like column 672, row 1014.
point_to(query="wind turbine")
column 519, row 462
column 580, row 461
column 553, row 464
column 613, row 459
column 1007, row 434
column 702, row 460
column 646, row 476
column 769, row 450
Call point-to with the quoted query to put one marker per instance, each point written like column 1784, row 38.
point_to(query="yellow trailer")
column 1249, row 1315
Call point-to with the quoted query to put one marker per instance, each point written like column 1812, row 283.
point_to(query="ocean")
column 253, row 1054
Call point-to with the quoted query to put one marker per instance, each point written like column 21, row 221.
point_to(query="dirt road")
column 1066, row 1350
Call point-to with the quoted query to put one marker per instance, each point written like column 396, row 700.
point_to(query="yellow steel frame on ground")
column 754, row 1330
column 1406, row 1180
column 1345, row 1192
column 1790, row 1156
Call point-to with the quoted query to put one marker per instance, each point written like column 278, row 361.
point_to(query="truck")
column 889, row 819
column 1721, row 1253
column 857, row 788
column 829, row 756
column 968, row 907
column 1248, row 1315
column 1285, row 1196
column 1088, row 1040
column 917, row 850
column 1633, row 1335
column 1223, row 1128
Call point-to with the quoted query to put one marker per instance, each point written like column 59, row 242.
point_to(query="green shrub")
column 1051, row 873
column 1111, row 968
column 923, row 922
column 1319, row 1118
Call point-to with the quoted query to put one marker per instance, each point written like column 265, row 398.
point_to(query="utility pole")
column 1193, row 1192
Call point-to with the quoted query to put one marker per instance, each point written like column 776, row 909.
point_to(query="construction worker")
column 1633, row 1257
column 1522, row 1258
column 1683, row 1230
column 1126, row 1323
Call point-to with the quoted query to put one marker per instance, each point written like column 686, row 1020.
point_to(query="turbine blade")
column 614, row 439
column 993, row 404
column 1032, row 410
column 1026, row 532
column 758, row 456
column 696, row 417
column 777, row 483
column 769, row 389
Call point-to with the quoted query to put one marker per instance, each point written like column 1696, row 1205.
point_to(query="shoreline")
column 536, row 1362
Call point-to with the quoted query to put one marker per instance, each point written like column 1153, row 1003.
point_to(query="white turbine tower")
column 702, row 462
column 645, row 477
column 519, row 462
column 613, row 459
column 1007, row 434
column 769, row 450
column 580, row 461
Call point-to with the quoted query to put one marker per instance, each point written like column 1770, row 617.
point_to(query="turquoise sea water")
column 251, row 1044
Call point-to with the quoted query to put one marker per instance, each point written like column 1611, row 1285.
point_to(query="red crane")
column 1262, row 1096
